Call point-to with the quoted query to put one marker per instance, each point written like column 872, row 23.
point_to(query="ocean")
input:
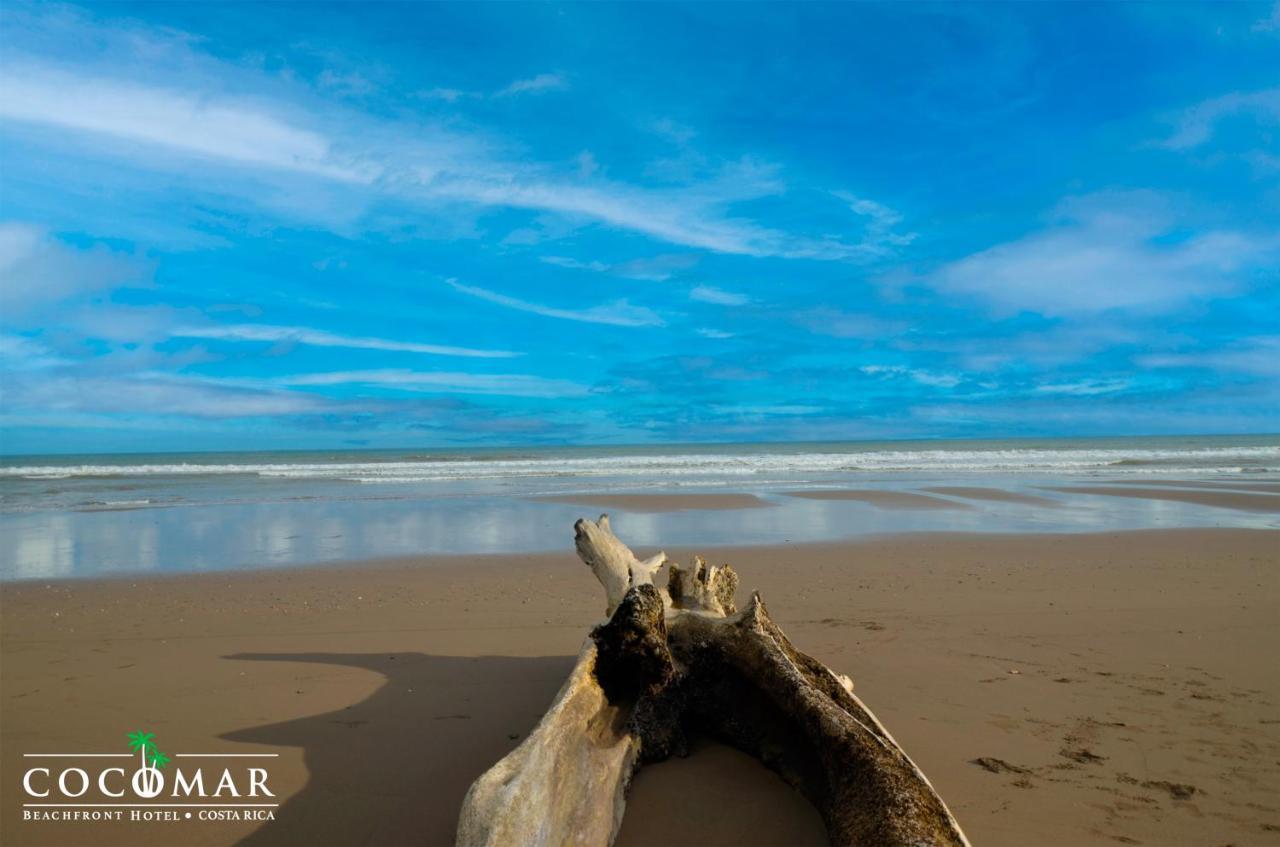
column 86, row 515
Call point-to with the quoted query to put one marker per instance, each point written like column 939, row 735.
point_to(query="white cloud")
column 353, row 84
column 1271, row 23
column 718, row 296
column 540, row 84
column 617, row 313
column 718, row 334
column 689, row 218
column 197, row 125
column 37, row 269
column 449, row 95
column 933, row 380
column 19, row 353
column 1085, row 388
column 275, row 126
column 1197, row 125
column 152, row 394
column 1259, row 356
column 765, row 411
column 513, row 385
column 320, row 338
column 837, row 323
column 575, row 264
column 654, row 268
column 881, row 221
column 1107, row 252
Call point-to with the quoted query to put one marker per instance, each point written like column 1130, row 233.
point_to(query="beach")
column 560, row 424
column 1063, row 688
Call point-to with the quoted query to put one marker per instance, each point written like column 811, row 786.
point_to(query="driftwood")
column 668, row 665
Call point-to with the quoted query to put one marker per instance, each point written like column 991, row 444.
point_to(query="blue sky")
column 241, row 226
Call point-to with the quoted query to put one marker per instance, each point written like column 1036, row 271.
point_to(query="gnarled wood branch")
column 670, row 664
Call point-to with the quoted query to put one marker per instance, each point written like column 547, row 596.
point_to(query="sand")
column 1219, row 499
column 1117, row 688
column 882, row 499
column 660, row 502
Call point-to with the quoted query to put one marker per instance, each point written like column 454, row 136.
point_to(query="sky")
column 272, row 226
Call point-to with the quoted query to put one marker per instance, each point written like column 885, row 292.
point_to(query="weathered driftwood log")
column 669, row 665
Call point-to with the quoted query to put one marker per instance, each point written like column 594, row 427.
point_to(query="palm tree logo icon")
column 147, row 780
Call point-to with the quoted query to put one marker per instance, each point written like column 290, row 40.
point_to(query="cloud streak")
column 321, row 338
column 196, row 125
column 617, row 313
column 540, row 84
column 717, row 296
column 512, row 385
column 1197, row 125
column 420, row 163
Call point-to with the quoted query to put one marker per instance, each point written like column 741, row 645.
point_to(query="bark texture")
column 670, row 664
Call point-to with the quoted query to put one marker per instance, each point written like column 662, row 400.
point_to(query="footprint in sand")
column 994, row 765
column 1177, row 790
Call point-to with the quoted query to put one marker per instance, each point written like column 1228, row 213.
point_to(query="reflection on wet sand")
column 660, row 502
column 221, row 536
column 883, row 499
column 1216, row 499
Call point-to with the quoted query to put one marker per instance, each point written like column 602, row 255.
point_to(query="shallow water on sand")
column 92, row 515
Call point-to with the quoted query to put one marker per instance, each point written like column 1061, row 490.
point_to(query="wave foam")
column 1081, row 460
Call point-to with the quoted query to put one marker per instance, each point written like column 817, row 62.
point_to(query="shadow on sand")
column 392, row 769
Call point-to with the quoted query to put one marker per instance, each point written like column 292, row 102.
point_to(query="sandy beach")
column 385, row 387
column 1057, row 689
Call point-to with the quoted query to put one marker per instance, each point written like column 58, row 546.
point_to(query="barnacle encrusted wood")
column 670, row 664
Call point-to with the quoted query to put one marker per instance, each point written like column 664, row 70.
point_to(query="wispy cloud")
column 576, row 264
column 787, row 409
column 197, row 125
column 617, row 313
column 321, row 338
column 653, row 268
column 718, row 296
column 1259, row 356
column 36, row 268
column 1271, row 23
column 1111, row 251
column 388, row 159
column 513, row 385
column 19, row 353
column 1085, row 388
column 881, row 222
column 1196, row 126
column 152, row 394
column 715, row 334
column 933, row 380
column 838, row 323
column 448, row 95
column 540, row 84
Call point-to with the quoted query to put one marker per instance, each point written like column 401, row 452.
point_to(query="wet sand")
column 883, row 499
column 1230, row 485
column 996, row 495
column 1114, row 688
column 660, row 502
column 1217, row 499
